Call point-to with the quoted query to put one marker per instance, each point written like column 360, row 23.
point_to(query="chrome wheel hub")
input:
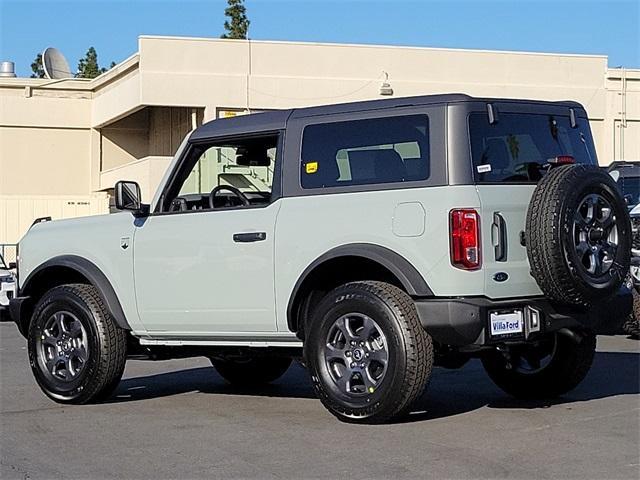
column 62, row 346
column 356, row 354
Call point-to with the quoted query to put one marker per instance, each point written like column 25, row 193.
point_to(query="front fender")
column 86, row 269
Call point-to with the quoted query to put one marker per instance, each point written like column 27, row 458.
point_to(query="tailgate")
column 503, row 213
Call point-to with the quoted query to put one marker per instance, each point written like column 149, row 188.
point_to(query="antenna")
column 55, row 65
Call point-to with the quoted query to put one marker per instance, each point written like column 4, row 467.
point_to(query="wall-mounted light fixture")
column 385, row 88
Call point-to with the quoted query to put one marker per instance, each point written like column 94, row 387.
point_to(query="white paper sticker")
column 483, row 168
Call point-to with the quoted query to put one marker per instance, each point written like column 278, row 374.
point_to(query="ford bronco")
column 369, row 240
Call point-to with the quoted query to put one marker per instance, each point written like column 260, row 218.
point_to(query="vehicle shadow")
column 450, row 393
column 293, row 384
column 456, row 392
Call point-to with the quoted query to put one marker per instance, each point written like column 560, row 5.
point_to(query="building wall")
column 622, row 118
column 17, row 212
column 37, row 161
column 43, row 134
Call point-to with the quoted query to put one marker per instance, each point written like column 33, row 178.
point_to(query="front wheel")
column 368, row 355
column 77, row 352
column 544, row 369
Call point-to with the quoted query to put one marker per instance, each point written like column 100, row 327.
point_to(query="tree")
column 37, row 68
column 88, row 66
column 238, row 24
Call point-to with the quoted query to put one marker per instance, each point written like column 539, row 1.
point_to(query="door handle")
column 249, row 237
column 499, row 235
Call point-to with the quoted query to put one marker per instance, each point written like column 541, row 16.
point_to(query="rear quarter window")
column 362, row 152
column 517, row 147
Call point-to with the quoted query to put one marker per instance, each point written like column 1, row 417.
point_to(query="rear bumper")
column 465, row 321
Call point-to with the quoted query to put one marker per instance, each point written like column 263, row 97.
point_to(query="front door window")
column 226, row 175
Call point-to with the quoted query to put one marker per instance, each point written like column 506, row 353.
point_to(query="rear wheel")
column 544, row 369
column 368, row 355
column 77, row 352
column 247, row 371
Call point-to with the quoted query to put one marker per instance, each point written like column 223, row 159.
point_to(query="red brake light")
column 562, row 160
column 464, row 226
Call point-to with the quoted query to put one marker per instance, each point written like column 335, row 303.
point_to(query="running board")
column 224, row 341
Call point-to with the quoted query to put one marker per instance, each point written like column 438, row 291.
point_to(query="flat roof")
column 375, row 45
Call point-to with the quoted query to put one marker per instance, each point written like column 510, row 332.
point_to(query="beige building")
column 63, row 144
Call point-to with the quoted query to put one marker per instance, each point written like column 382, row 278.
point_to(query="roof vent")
column 7, row 70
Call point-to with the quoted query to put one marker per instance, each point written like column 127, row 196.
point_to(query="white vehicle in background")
column 627, row 177
column 7, row 286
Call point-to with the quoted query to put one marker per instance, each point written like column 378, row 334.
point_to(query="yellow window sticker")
column 311, row 167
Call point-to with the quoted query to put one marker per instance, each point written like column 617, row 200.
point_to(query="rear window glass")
column 361, row 152
column 518, row 146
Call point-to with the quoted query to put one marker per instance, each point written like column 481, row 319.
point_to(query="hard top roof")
column 276, row 119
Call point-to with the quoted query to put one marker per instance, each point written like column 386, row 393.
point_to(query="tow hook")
column 574, row 336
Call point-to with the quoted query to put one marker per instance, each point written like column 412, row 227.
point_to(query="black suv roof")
column 277, row 119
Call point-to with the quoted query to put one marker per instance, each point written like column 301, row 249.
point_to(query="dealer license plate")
column 506, row 323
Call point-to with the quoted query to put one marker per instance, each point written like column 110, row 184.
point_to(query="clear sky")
column 112, row 26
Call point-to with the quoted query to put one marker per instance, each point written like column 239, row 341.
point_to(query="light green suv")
column 370, row 240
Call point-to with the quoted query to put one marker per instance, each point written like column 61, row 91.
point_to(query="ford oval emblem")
column 501, row 277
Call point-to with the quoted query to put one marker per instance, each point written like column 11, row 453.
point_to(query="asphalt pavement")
column 179, row 419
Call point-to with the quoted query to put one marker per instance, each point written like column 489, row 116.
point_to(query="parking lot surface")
column 179, row 419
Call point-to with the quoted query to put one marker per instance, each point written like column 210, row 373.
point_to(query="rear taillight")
column 464, row 228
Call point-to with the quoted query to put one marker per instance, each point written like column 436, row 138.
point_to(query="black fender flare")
column 92, row 273
column 412, row 281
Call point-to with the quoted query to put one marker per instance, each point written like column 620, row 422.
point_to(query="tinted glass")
column 630, row 187
column 628, row 180
column 361, row 152
column 518, row 146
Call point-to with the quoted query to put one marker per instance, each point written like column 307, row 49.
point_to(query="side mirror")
column 12, row 265
column 128, row 197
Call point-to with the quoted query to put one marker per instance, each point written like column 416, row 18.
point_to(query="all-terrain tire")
column 567, row 367
column 555, row 263
column 408, row 347
column 251, row 371
column 106, row 345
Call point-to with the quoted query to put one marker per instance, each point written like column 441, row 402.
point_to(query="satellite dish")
column 55, row 65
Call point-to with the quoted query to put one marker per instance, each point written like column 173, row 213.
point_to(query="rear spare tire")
column 578, row 235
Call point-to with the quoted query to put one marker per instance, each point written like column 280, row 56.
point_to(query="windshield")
column 518, row 146
column 2, row 264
